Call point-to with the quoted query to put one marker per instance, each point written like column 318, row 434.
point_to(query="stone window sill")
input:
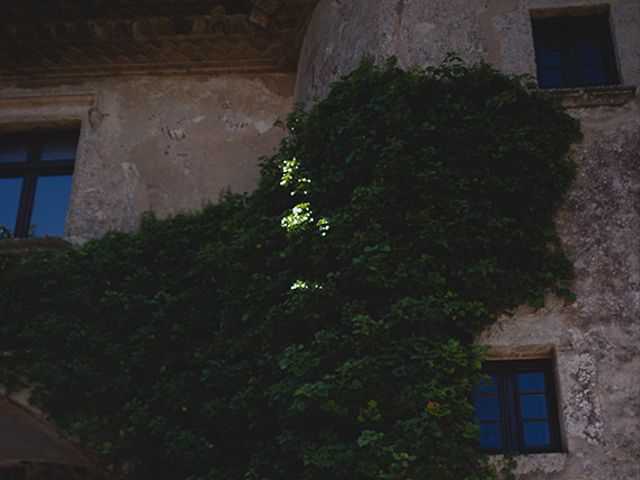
column 534, row 463
column 605, row 96
column 24, row 246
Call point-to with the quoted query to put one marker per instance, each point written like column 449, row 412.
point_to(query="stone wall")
column 165, row 143
column 594, row 342
column 422, row 32
column 170, row 143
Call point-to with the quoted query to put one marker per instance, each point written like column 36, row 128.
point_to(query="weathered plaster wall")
column 162, row 143
column 595, row 341
column 422, row 32
column 170, row 143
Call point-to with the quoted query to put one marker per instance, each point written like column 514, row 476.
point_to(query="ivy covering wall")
column 323, row 326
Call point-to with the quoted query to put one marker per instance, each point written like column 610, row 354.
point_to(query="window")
column 35, row 182
column 516, row 408
column 574, row 51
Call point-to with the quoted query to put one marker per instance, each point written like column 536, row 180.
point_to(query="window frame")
column 33, row 168
column 511, row 419
column 568, row 30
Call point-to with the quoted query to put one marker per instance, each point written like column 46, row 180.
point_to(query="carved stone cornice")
column 69, row 38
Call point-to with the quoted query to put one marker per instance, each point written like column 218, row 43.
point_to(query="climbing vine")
column 323, row 326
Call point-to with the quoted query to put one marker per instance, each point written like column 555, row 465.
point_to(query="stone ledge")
column 22, row 112
column 521, row 352
column 534, row 462
column 24, row 246
column 605, row 96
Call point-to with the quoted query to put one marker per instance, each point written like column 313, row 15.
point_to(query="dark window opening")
column 574, row 51
column 516, row 408
column 35, row 182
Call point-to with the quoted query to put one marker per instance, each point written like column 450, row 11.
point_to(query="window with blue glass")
column 516, row 408
column 35, row 182
column 574, row 51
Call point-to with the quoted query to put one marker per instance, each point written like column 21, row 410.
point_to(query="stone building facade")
column 175, row 101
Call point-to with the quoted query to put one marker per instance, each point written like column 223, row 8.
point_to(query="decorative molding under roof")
column 41, row 39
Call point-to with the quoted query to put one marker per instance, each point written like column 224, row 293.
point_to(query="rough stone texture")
column 595, row 342
column 547, row 463
column 167, row 144
column 422, row 32
column 597, row 339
